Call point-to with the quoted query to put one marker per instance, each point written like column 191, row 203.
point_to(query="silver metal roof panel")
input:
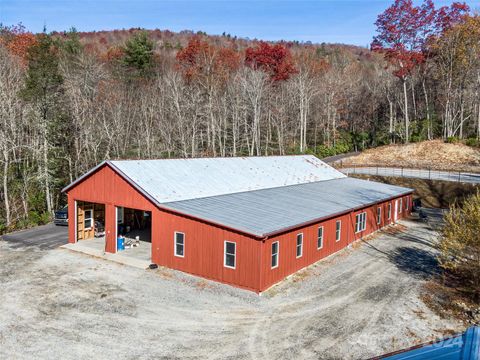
column 170, row 180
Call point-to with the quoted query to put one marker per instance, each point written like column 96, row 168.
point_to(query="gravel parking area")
column 361, row 302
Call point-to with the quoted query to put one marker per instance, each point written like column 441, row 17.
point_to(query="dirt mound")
column 433, row 154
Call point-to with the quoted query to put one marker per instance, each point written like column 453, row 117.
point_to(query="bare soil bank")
column 434, row 154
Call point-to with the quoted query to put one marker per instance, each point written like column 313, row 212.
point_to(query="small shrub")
column 471, row 142
column 416, row 138
column 38, row 218
column 323, row 151
column 452, row 139
column 45, row 218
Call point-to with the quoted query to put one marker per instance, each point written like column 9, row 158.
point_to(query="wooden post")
column 110, row 228
column 72, row 220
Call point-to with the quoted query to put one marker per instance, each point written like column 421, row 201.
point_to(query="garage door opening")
column 90, row 221
column 135, row 227
column 90, row 224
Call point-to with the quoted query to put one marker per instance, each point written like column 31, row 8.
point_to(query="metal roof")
column 268, row 211
column 181, row 179
column 464, row 346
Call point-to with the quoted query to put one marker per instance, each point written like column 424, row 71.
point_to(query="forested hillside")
column 70, row 100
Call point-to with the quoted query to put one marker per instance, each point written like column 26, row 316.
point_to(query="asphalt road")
column 44, row 237
column 463, row 177
column 335, row 158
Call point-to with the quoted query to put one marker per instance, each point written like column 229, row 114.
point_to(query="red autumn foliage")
column 17, row 40
column 201, row 59
column 275, row 60
column 405, row 31
column 448, row 16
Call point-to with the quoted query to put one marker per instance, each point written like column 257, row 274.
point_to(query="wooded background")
column 70, row 100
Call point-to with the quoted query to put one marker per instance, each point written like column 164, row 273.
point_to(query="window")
column 275, row 254
column 389, row 211
column 338, row 230
column 400, row 205
column 379, row 215
column 88, row 221
column 360, row 222
column 299, row 245
column 230, row 254
column 406, row 203
column 320, row 238
column 179, row 244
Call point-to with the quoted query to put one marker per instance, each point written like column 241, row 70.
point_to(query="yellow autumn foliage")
column 460, row 244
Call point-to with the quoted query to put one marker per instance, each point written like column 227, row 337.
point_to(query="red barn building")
column 248, row 222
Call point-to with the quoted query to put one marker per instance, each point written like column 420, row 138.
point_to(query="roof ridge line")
column 221, row 157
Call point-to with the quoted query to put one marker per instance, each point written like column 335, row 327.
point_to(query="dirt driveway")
column 361, row 302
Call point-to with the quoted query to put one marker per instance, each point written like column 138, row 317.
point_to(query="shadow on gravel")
column 416, row 239
column 419, row 263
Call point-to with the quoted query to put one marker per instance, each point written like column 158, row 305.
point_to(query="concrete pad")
column 127, row 257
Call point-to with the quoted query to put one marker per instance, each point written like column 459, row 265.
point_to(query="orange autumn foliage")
column 18, row 44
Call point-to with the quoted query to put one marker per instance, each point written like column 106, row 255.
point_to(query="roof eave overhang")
column 248, row 233
column 343, row 212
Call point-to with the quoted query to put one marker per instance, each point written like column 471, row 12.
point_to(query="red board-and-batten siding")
column 204, row 242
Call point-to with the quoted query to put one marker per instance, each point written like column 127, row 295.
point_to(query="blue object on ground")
column 464, row 346
column 120, row 243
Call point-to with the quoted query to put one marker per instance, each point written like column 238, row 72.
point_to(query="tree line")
column 65, row 105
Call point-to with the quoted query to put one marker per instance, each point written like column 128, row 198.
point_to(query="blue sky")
column 334, row 21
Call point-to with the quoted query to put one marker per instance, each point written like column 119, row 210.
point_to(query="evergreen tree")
column 71, row 45
column 138, row 54
column 44, row 91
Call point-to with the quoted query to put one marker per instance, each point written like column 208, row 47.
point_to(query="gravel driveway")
column 361, row 302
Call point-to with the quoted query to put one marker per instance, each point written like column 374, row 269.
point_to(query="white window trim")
column 360, row 224
column 278, row 255
column 85, row 219
column 379, row 215
column 175, row 244
column 337, row 239
column 296, row 246
column 323, row 236
column 389, row 210
column 400, row 207
column 406, row 203
column 225, row 255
